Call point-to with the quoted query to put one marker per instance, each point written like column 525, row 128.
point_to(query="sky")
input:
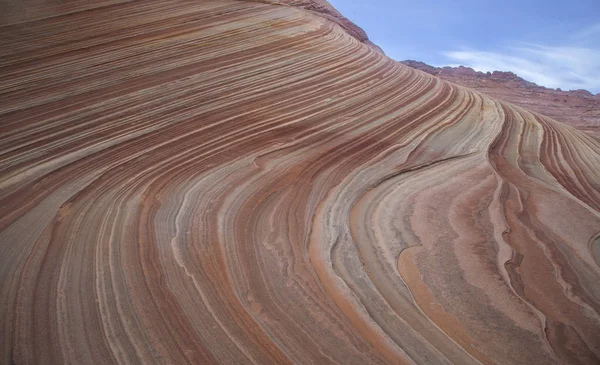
column 554, row 43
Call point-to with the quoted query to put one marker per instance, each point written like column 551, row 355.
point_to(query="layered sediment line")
column 240, row 183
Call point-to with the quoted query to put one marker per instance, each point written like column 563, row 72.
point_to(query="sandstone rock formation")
column 578, row 108
column 237, row 182
column 324, row 9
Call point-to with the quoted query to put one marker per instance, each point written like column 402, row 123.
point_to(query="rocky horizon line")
column 434, row 70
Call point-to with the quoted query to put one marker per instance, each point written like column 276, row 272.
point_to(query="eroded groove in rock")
column 244, row 183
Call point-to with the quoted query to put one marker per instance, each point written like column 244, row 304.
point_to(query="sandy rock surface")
column 233, row 182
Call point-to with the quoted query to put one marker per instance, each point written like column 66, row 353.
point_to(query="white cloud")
column 567, row 68
column 588, row 32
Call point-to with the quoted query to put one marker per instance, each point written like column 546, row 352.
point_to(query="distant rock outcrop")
column 578, row 108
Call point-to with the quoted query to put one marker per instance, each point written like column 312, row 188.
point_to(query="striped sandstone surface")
column 241, row 182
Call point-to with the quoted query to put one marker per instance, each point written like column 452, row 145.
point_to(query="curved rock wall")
column 240, row 183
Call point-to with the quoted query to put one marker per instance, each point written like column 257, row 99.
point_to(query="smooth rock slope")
column 237, row 182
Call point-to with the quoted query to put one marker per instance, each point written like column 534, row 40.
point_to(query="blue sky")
column 554, row 43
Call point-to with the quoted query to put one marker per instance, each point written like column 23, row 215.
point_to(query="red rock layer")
column 323, row 8
column 578, row 108
column 242, row 183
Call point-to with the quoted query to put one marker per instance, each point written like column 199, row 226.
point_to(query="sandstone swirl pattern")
column 246, row 183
